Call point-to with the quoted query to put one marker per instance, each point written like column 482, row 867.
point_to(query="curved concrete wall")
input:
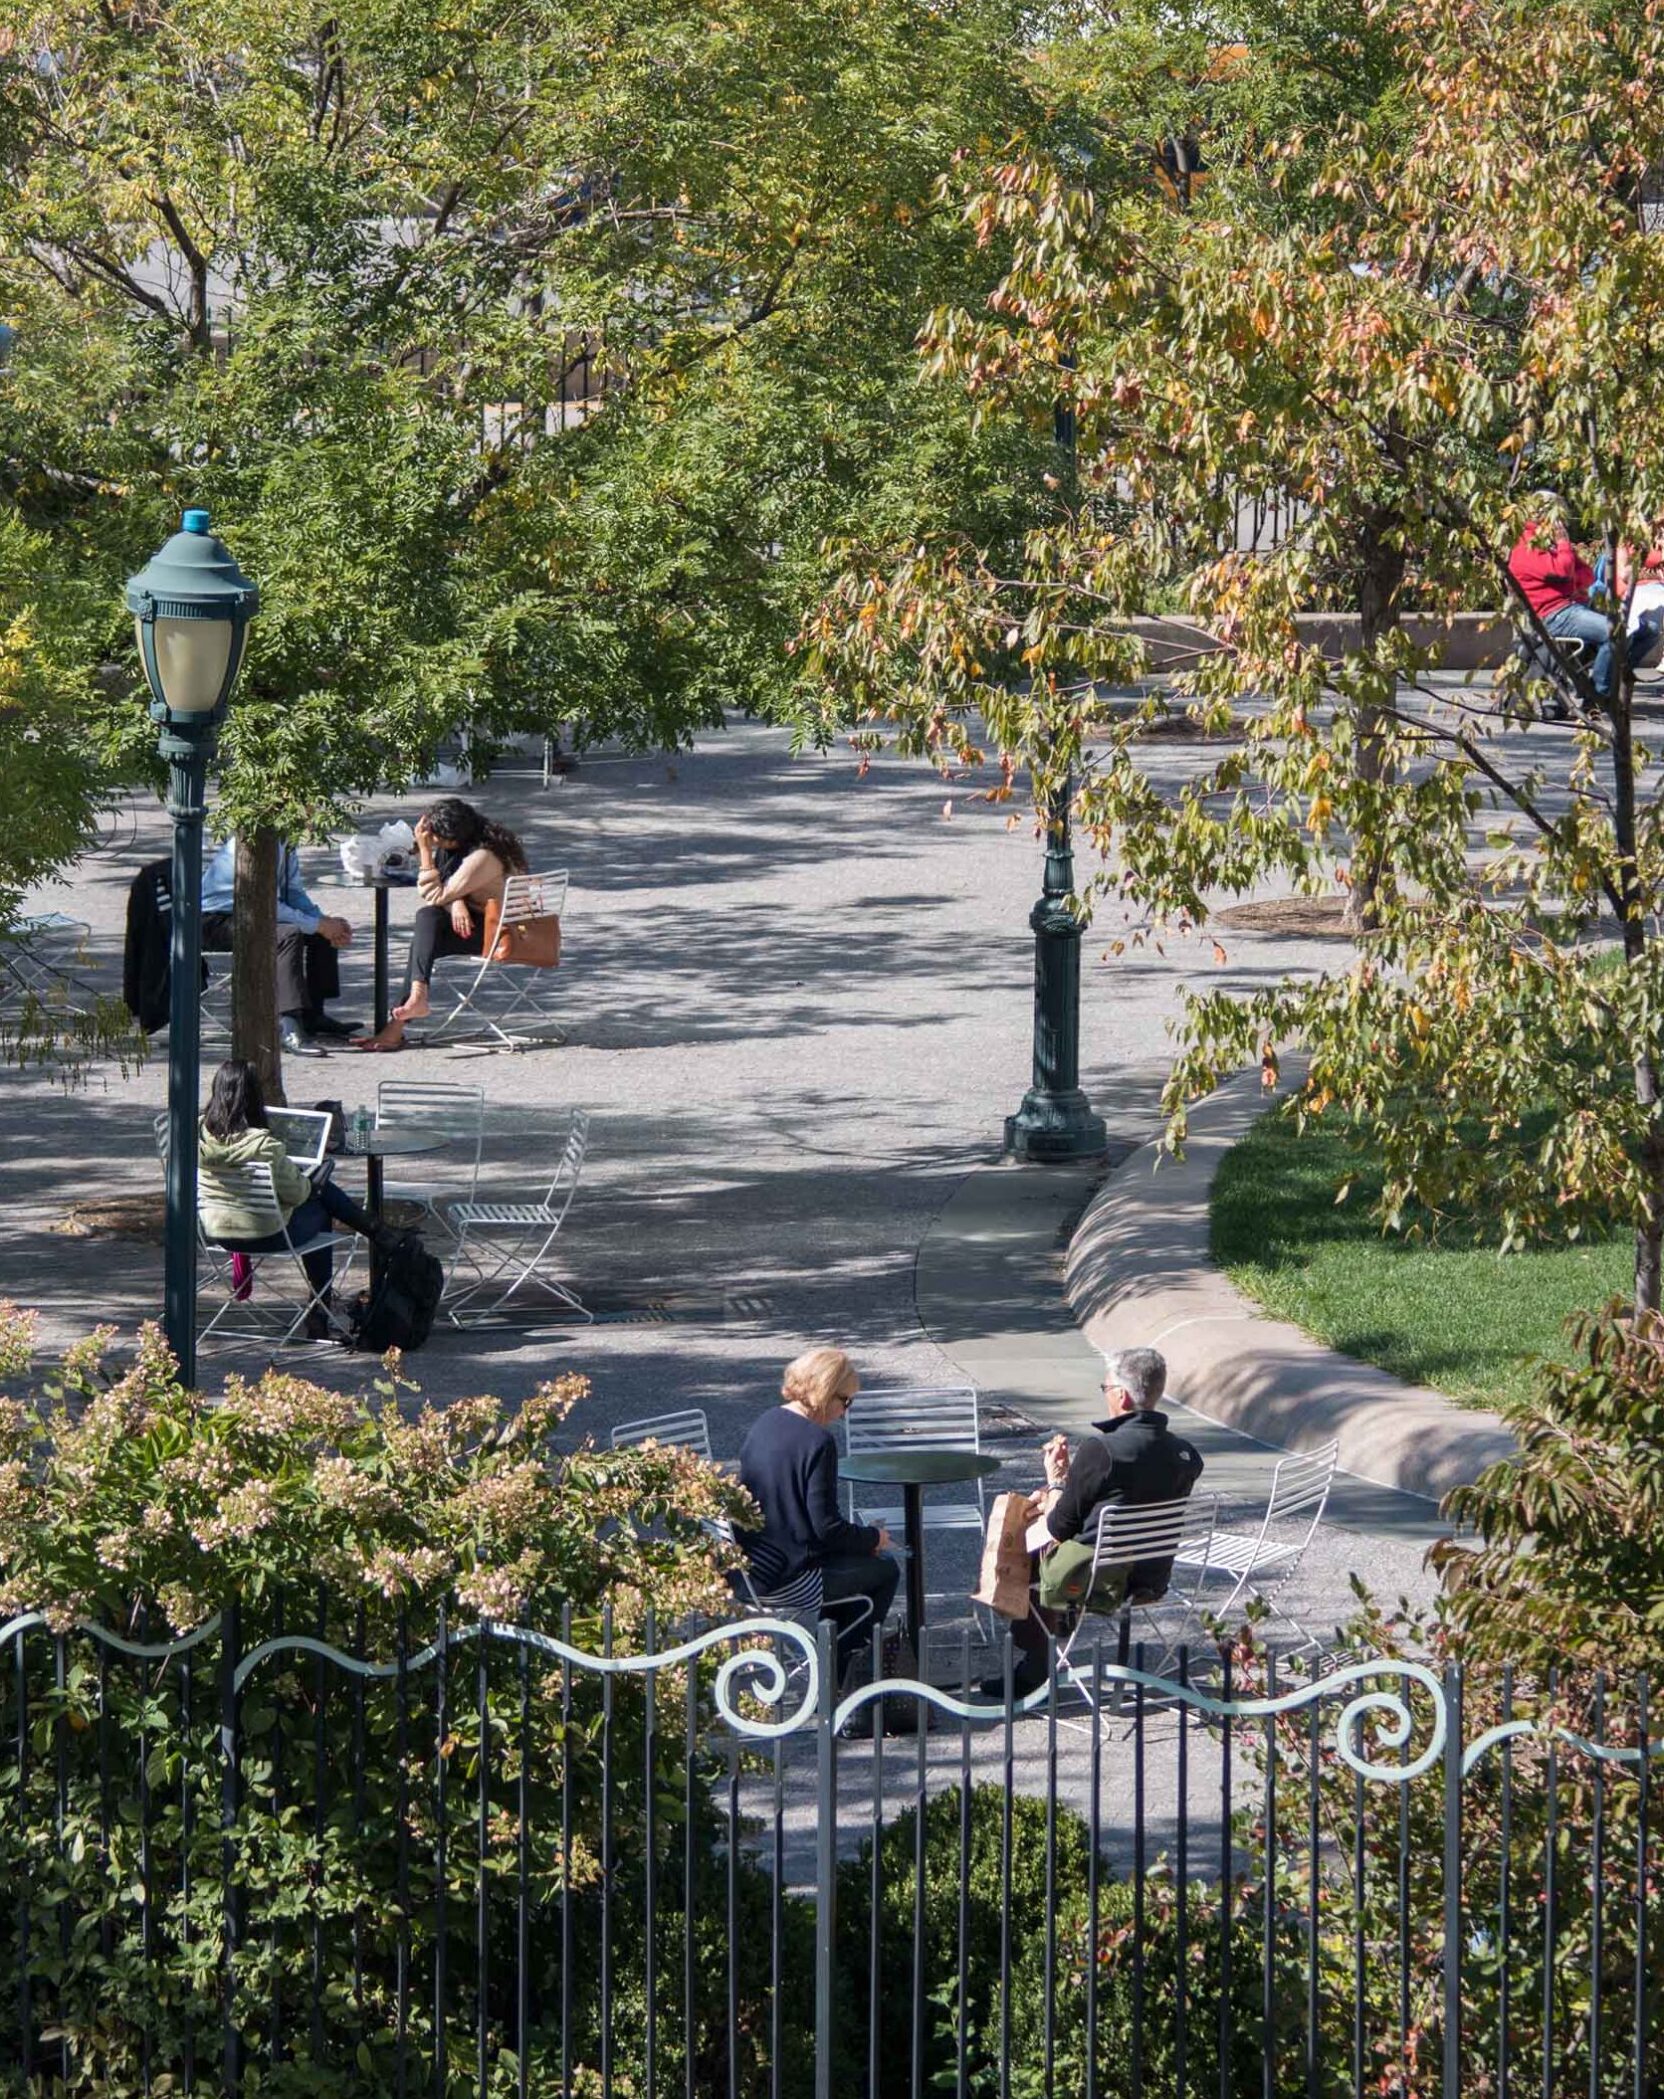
column 1139, row 1275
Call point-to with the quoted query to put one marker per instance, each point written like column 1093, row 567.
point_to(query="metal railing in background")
column 501, row 1860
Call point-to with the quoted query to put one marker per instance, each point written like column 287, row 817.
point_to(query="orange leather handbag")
column 532, row 942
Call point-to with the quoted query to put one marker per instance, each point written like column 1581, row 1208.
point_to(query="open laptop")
column 305, row 1134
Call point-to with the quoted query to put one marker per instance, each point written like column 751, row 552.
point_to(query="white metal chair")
column 501, row 992
column 688, row 1430
column 801, row 1601
column 215, row 1023
column 308, row 1128
column 534, row 1227
column 918, row 1417
column 1258, row 1561
column 911, row 1417
column 42, row 957
column 252, row 1187
column 457, row 1111
column 1128, row 1537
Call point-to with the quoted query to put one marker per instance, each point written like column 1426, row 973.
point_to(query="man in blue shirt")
column 308, row 973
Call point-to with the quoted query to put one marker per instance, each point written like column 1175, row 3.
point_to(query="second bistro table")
column 912, row 1471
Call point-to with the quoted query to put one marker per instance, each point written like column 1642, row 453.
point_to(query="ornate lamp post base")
column 1055, row 1126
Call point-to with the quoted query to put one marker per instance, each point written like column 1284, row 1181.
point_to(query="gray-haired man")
column 1132, row 1457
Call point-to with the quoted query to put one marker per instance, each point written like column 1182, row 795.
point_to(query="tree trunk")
column 254, row 961
column 1381, row 578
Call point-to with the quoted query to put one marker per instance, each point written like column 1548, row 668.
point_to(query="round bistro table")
column 912, row 1471
column 377, row 1145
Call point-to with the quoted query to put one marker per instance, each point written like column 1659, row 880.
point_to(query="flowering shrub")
column 123, row 1495
column 294, row 1900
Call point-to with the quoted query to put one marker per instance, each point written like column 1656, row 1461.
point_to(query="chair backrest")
column 534, row 896
column 43, row 952
column 1196, row 1533
column 161, row 1124
column 1300, row 1486
column 901, row 1417
column 689, row 1430
column 250, row 1185
column 1128, row 1534
column 570, row 1166
column 304, row 1131
column 802, row 1595
column 457, row 1111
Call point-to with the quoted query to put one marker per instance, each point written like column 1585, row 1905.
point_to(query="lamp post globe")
column 191, row 606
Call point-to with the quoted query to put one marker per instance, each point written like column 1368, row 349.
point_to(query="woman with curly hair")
column 465, row 861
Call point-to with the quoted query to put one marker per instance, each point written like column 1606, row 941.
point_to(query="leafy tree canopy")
column 1396, row 322
column 524, row 355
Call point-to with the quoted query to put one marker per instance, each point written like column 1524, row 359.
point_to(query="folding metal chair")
column 917, row 1417
column 534, row 1226
column 1127, row 1536
column 42, row 957
column 500, row 992
column 457, row 1111
column 1256, row 1560
column 251, row 1185
column 801, row 1601
column 688, row 1430
column 911, row 1417
column 215, row 1023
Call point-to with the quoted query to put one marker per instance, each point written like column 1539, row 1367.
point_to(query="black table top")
column 917, row 1468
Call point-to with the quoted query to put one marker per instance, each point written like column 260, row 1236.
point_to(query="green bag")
column 1065, row 1573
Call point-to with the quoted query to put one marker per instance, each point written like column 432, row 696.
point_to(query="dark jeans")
column 844, row 1582
column 308, row 968
column 310, row 1221
column 434, row 936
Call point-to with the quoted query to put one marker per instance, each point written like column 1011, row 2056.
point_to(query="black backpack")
column 398, row 1311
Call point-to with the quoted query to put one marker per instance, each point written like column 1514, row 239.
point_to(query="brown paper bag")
column 1003, row 1582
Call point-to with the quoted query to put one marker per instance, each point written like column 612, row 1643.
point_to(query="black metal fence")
column 505, row 1861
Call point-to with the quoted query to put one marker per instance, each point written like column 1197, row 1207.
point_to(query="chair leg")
column 528, row 1275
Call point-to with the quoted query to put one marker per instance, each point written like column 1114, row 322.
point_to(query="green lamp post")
column 191, row 606
column 1055, row 1121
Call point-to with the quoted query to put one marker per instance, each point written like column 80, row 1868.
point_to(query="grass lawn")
column 1456, row 1315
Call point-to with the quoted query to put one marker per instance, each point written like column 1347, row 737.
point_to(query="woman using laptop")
column 235, row 1132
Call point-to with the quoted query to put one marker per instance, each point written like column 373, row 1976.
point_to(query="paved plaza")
column 798, row 1009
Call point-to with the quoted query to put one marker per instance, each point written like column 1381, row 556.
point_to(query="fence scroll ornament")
column 761, row 1701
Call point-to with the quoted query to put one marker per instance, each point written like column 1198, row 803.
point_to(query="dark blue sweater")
column 789, row 1466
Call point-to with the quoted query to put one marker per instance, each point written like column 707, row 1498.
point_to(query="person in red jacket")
column 1555, row 581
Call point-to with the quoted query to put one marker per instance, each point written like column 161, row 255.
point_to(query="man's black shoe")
column 295, row 1043
column 327, row 1024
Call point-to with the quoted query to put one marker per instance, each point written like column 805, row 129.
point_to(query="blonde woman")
column 789, row 1466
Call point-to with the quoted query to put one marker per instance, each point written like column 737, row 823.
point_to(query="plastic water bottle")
column 361, row 1127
